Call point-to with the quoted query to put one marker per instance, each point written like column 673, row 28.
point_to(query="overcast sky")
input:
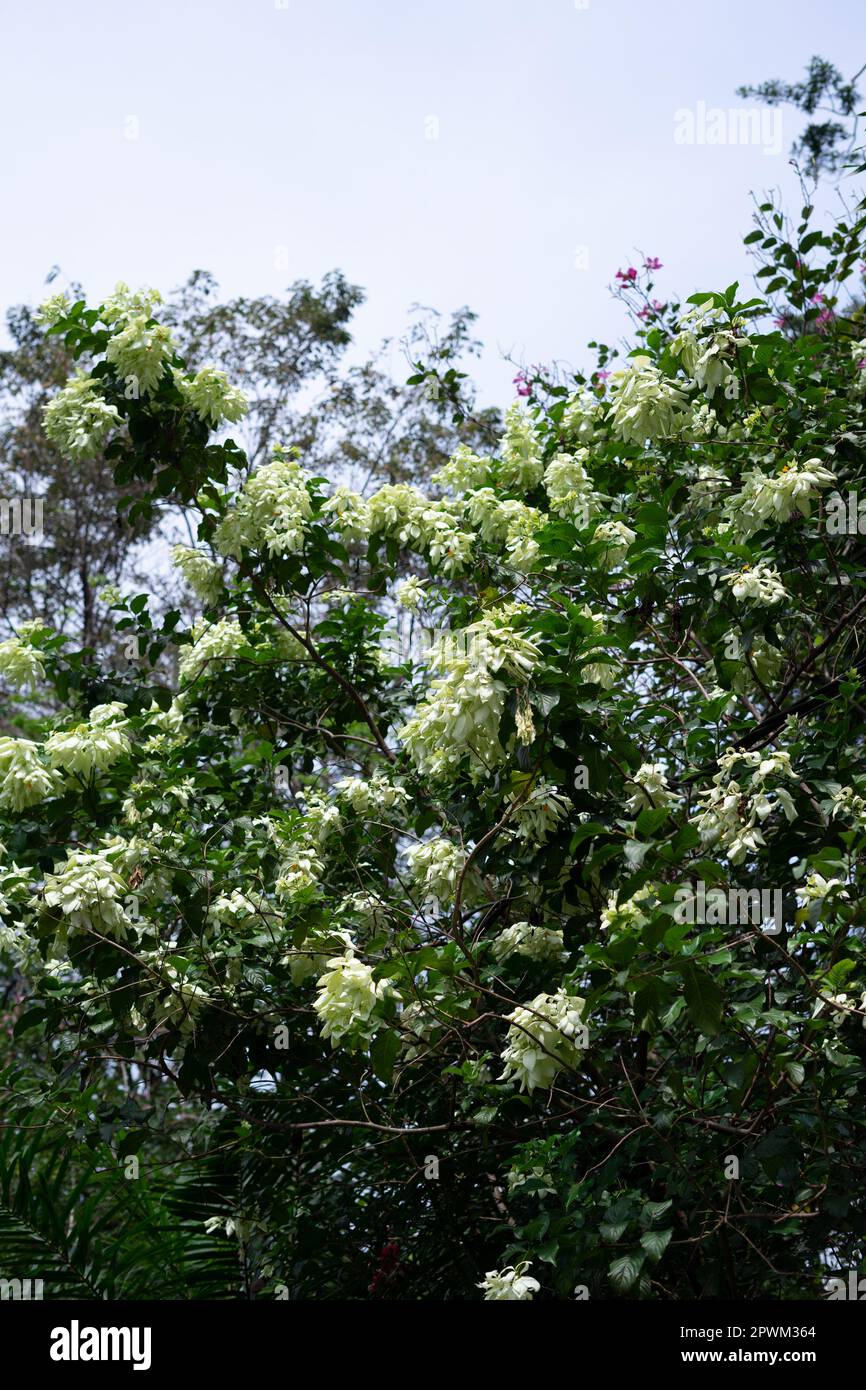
column 505, row 155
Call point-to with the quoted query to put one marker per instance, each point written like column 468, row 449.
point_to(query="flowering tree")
column 498, row 911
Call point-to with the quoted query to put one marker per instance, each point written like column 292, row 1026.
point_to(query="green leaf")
column 703, row 999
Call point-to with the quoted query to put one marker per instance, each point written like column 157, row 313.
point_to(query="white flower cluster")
column 94, row 746
column 709, row 483
column 536, row 943
column 373, row 796
column 233, row 909
column 848, row 803
column 815, row 888
column 219, row 641
column 509, row 1285
column 732, row 811
column 521, row 468
column 569, row 488
column 88, row 891
column 79, row 418
column 299, row 871
column 629, row 914
column 760, row 583
column 349, row 513
column 210, row 394
column 126, row 304
column 202, row 574
column 347, row 999
column 24, row 778
column 710, row 361
column 617, row 537
column 652, row 788
column 461, row 714
column 435, row 866
column 545, row 1036
column 646, row 404
column 140, row 351
column 509, row 523
column 776, row 497
column 53, row 309
column 410, row 594
column 20, row 664
column 271, row 512
column 603, row 672
column 538, row 814
column 464, row 470
column 583, row 410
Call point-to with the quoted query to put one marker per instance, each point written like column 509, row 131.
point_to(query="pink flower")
column 645, row 312
column 602, row 374
column 817, row 298
column 781, row 321
column 626, row 275
column 658, row 306
column 652, row 263
column 826, row 316
column 523, row 386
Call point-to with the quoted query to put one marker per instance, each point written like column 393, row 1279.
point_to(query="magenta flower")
column 626, row 275
column 602, row 374
column 652, row 263
column 522, row 385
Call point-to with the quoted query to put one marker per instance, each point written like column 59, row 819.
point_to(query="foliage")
column 425, row 900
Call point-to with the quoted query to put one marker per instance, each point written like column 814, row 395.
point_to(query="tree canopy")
column 477, row 913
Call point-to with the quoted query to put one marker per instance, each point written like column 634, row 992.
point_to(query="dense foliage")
column 411, row 929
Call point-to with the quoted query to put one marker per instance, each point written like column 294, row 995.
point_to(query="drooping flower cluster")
column 373, row 796
column 271, row 513
column 652, row 790
column 24, row 778
column 91, row 747
column 79, row 418
column 212, row 397
column 88, row 891
column 569, row 487
column 536, row 943
column 775, row 497
column 219, row 641
column 139, row 352
column 202, row 574
column 536, row 816
column 616, row 537
column 545, row 1036
column 522, row 467
column 435, row 866
column 462, row 712
column 732, row 811
column 760, row 583
column 510, row 1285
column 646, row 404
column 347, row 999
column 20, row 664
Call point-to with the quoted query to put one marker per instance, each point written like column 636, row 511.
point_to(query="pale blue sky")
column 276, row 140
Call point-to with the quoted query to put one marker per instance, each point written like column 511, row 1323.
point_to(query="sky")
column 509, row 156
